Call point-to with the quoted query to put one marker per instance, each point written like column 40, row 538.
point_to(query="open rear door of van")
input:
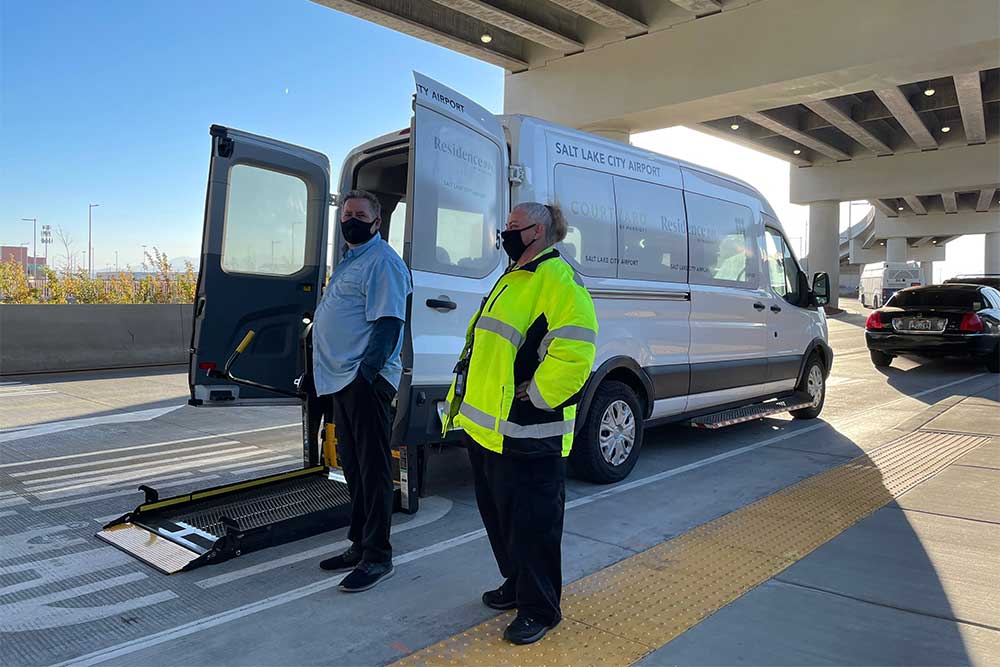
column 263, row 262
column 458, row 202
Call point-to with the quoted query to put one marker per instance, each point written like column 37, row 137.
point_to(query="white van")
column 881, row 280
column 703, row 311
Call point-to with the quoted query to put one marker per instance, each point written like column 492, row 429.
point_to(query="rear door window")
column 938, row 298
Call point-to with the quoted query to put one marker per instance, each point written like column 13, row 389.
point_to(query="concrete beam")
column 843, row 122
column 896, row 102
column 406, row 17
column 922, row 241
column 655, row 82
column 917, row 206
column 985, row 199
column 699, row 7
column 743, row 140
column 796, row 135
column 950, row 200
column 512, row 23
column 970, row 101
column 955, row 169
column 877, row 253
column 937, row 224
column 605, row 15
column 886, row 209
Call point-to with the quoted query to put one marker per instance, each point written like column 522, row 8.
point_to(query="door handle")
column 775, row 309
column 443, row 303
column 758, row 306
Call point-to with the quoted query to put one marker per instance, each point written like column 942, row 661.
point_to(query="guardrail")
column 46, row 338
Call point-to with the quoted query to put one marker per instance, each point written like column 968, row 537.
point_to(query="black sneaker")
column 345, row 561
column 526, row 630
column 365, row 576
column 502, row 598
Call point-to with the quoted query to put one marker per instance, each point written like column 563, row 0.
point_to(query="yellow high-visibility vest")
column 536, row 325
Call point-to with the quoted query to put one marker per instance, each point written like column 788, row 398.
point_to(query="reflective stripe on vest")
column 536, row 431
column 568, row 332
column 502, row 329
column 477, row 416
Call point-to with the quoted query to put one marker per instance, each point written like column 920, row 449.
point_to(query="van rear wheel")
column 607, row 447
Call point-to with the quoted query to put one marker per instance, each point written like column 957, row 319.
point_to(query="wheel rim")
column 814, row 384
column 617, row 435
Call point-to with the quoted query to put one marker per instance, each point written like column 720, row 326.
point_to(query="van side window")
column 652, row 231
column 782, row 270
column 587, row 199
column 721, row 242
column 459, row 181
column 397, row 228
column 265, row 224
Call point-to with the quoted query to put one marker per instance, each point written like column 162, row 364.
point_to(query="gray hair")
column 549, row 216
column 373, row 201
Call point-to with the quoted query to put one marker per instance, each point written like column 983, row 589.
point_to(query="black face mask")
column 357, row 231
column 513, row 244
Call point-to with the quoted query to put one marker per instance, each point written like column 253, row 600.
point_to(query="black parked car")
column 988, row 279
column 937, row 321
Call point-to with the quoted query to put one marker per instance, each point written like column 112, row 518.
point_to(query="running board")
column 213, row 525
column 796, row 401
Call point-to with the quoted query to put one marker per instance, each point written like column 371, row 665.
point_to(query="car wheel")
column 607, row 447
column 993, row 361
column 813, row 383
column 880, row 359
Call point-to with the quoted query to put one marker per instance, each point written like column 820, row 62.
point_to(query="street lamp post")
column 90, row 250
column 34, row 248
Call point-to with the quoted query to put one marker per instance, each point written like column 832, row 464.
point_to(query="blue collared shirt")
column 369, row 283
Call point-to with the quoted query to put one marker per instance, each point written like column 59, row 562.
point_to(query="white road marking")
column 16, row 394
column 11, row 502
column 20, row 433
column 130, row 480
column 134, row 447
column 228, row 466
column 152, row 467
column 7, row 513
column 127, row 492
column 270, row 466
column 172, row 452
column 10, row 382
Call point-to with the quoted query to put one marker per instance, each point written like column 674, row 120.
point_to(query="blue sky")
column 110, row 102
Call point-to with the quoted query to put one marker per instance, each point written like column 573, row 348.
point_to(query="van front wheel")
column 608, row 444
column 814, row 384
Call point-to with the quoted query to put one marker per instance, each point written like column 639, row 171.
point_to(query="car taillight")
column 207, row 365
column 971, row 322
column 874, row 321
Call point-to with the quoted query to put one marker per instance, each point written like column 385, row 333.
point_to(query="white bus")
column 881, row 280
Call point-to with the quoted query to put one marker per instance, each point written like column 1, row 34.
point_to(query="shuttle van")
column 704, row 313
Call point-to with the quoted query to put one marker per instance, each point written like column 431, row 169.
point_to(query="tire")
column 993, row 361
column 880, row 359
column 813, row 383
column 614, row 406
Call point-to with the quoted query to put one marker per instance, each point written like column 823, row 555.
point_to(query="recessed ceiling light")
column 734, row 126
column 486, row 38
column 946, row 128
column 899, row 208
column 882, row 243
column 934, row 241
column 929, row 92
column 797, row 151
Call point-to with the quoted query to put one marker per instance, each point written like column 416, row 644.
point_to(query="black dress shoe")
column 526, row 630
column 345, row 561
column 365, row 576
column 502, row 598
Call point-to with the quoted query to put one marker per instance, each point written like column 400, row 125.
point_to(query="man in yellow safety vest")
column 528, row 352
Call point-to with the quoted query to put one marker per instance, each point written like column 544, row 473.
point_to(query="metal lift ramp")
column 213, row 525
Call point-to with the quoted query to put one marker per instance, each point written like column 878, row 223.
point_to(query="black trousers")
column 522, row 501
column 362, row 413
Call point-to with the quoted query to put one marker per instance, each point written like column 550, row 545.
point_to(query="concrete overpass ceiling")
column 962, row 109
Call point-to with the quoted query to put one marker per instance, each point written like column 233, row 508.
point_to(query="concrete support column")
column 623, row 136
column 992, row 260
column 927, row 273
column 824, row 244
column 895, row 249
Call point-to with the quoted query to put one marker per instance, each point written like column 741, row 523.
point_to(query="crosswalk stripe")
column 171, row 452
column 283, row 457
column 152, row 444
column 194, row 459
column 42, row 507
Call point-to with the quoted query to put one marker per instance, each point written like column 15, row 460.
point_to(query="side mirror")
column 821, row 288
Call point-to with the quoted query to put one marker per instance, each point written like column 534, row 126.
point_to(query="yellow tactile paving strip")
column 625, row 611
